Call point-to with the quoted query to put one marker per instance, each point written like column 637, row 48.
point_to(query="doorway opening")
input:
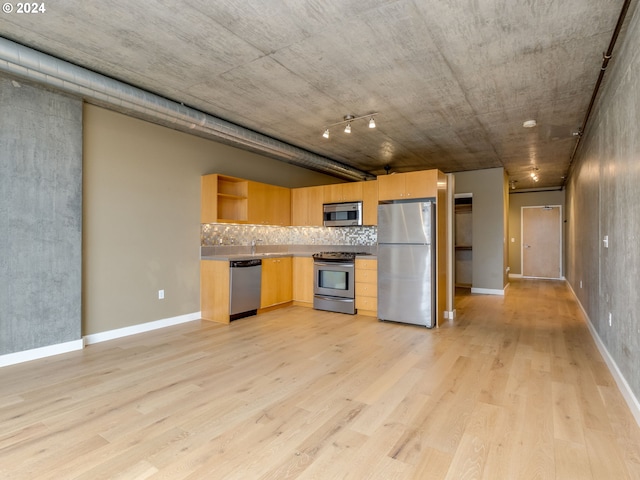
column 463, row 240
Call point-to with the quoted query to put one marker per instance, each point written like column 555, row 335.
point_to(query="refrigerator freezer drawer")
column 405, row 284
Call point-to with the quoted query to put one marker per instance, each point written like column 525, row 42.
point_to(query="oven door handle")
column 333, row 264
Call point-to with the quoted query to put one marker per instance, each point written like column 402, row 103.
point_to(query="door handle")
column 527, row 246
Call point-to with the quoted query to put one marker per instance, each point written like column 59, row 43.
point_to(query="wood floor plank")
column 514, row 388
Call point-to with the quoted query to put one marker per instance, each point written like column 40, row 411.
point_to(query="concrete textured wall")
column 529, row 199
column 602, row 200
column 40, row 217
column 488, row 224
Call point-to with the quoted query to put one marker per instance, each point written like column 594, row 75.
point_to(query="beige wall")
column 141, row 221
column 528, row 199
column 489, row 226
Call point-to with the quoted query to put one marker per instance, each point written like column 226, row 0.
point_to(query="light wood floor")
column 514, row 389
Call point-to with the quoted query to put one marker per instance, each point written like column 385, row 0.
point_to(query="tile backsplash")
column 222, row 234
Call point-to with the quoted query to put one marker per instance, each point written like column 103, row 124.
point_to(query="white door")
column 542, row 242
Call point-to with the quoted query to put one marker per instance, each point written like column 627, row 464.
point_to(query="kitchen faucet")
column 253, row 245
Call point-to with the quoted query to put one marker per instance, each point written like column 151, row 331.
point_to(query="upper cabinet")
column 269, row 204
column 402, row 186
column 227, row 199
column 370, row 202
column 234, row 200
column 343, row 192
column 306, row 206
column 223, row 199
column 366, row 192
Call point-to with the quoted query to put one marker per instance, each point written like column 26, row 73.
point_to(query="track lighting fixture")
column 534, row 174
column 348, row 119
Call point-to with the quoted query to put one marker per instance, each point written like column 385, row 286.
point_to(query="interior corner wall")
column 530, row 199
column 142, row 215
column 602, row 200
column 488, row 224
column 40, row 217
column 505, row 228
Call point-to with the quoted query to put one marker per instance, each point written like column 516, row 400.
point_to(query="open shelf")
column 224, row 199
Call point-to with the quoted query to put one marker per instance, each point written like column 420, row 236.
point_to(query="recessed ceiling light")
column 529, row 124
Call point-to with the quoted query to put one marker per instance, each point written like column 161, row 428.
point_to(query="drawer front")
column 366, row 290
column 366, row 303
column 367, row 276
column 366, row 264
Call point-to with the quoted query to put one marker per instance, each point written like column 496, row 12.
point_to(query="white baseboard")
column 488, row 291
column 625, row 389
column 450, row 314
column 515, row 275
column 42, row 352
column 141, row 328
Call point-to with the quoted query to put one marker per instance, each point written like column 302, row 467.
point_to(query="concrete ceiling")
column 452, row 81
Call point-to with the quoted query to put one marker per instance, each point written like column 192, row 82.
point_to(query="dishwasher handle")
column 245, row 263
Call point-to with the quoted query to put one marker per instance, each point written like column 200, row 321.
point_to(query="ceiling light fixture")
column 529, row 124
column 534, row 174
column 348, row 119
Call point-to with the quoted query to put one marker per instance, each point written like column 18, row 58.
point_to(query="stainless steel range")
column 334, row 282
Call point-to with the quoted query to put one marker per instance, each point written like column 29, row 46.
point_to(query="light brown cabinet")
column 343, row 192
column 227, row 199
column 268, row 204
column 370, row 203
column 367, row 287
column 214, row 290
column 402, row 186
column 307, row 202
column 223, row 199
column 276, row 287
column 306, row 206
column 303, row 281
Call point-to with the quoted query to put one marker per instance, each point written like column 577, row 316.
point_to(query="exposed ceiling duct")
column 20, row 61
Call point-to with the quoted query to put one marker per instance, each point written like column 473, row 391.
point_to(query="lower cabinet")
column 283, row 279
column 367, row 287
column 303, row 281
column 276, row 281
column 214, row 290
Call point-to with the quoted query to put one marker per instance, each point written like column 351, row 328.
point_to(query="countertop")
column 250, row 256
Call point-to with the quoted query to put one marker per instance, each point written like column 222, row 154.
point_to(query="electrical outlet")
column 605, row 240
column 609, row 318
column 160, row 294
column 580, row 283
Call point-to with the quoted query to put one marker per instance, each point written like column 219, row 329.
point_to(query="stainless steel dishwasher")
column 244, row 287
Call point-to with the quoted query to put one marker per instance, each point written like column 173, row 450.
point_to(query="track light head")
column 347, row 122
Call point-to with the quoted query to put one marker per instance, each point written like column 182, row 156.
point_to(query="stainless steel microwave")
column 346, row 214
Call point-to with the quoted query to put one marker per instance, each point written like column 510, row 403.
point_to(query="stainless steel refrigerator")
column 406, row 263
